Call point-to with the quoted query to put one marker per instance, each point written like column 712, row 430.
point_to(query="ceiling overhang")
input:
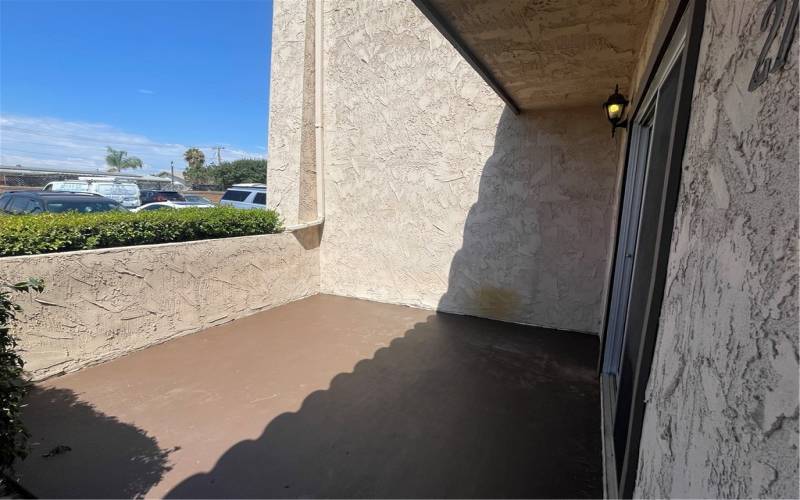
column 541, row 54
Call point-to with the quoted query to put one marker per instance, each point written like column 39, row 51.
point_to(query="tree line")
column 197, row 172
column 224, row 174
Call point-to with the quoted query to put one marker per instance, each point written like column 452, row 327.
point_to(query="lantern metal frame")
column 619, row 99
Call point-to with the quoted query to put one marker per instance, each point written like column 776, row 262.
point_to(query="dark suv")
column 34, row 202
column 149, row 196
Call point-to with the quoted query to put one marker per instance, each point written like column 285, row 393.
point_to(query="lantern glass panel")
column 614, row 111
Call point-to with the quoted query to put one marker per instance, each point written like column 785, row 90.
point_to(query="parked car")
column 33, row 202
column 149, row 196
column 197, row 199
column 245, row 196
column 170, row 205
column 125, row 193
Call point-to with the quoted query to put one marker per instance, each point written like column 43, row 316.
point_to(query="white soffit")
column 549, row 53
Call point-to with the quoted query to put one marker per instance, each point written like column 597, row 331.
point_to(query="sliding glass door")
column 657, row 132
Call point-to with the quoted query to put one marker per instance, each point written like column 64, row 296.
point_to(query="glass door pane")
column 652, row 201
column 629, row 226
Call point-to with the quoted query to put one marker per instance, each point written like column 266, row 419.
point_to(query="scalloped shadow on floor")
column 331, row 397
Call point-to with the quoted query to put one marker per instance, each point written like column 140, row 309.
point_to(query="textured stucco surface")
column 307, row 201
column 553, row 53
column 286, row 107
column 438, row 197
column 722, row 403
column 101, row 304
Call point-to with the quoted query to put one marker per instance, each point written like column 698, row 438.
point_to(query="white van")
column 245, row 196
column 124, row 193
column 68, row 186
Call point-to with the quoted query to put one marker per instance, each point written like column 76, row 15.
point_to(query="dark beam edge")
column 441, row 24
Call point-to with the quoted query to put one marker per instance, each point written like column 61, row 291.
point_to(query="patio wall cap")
column 97, row 251
column 304, row 225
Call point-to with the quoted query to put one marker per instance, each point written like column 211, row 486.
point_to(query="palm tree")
column 118, row 160
column 194, row 157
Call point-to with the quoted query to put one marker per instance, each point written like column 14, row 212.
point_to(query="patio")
column 328, row 397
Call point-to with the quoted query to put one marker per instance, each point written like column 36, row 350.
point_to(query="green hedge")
column 45, row 233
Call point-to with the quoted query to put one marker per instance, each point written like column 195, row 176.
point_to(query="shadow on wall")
column 535, row 241
column 457, row 407
column 125, row 462
column 461, row 406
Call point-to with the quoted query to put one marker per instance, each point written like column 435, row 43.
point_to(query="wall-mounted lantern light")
column 615, row 110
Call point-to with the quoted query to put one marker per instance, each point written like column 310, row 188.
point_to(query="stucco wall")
column 722, row 402
column 438, row 197
column 100, row 304
column 286, row 101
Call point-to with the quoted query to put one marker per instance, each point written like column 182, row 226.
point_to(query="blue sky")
column 148, row 76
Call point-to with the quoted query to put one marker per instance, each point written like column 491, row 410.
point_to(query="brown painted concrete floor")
column 328, row 397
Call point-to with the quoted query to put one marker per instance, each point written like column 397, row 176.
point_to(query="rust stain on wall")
column 495, row 302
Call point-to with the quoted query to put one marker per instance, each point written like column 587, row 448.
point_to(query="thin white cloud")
column 146, row 91
column 52, row 142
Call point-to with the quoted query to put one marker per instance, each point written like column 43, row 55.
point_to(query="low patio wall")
column 101, row 304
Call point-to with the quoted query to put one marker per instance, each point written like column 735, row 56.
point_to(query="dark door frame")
column 623, row 485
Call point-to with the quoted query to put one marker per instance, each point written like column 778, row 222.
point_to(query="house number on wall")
column 772, row 20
